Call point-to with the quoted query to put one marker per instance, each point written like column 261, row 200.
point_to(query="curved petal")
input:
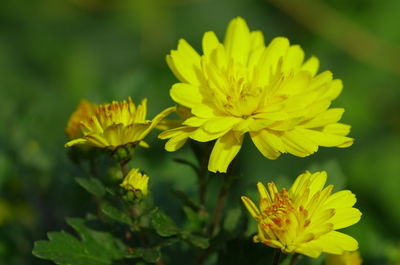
column 325, row 139
column 298, row 144
column 269, row 144
column 186, row 62
column 345, row 217
column 76, row 142
column 210, row 43
column 220, row 124
column 251, row 207
column 225, row 149
column 186, row 94
column 311, row 65
column 237, row 40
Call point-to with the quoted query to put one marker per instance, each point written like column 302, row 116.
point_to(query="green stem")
column 277, row 257
column 124, row 167
column 219, row 207
column 223, row 193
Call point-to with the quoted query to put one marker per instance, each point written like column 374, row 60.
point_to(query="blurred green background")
column 53, row 53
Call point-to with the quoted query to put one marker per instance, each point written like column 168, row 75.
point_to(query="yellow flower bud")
column 136, row 182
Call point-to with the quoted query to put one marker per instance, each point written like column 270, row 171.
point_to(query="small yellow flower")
column 83, row 112
column 136, row 182
column 118, row 124
column 304, row 219
column 347, row 258
column 243, row 86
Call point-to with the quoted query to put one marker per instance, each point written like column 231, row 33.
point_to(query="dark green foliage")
column 93, row 248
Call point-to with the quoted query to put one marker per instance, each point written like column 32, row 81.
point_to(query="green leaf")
column 115, row 213
column 163, row 224
column 198, row 241
column 92, row 185
column 94, row 248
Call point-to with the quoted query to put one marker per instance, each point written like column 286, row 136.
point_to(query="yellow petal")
column 327, row 117
column 225, row 149
column 237, row 40
column 341, row 199
column 293, row 58
column 210, row 42
column 345, row 217
column 270, row 57
column 202, row 135
column 337, row 128
column 96, row 140
column 336, row 87
column 186, row 61
column 336, row 243
column 327, row 140
column 263, row 191
column 251, row 207
column 176, row 142
column 318, row 180
column 76, row 142
column 205, row 111
column 269, row 144
column 298, row 144
column 175, row 132
column 156, row 120
column 194, row 121
column 256, row 39
column 311, row 65
column 220, row 124
column 186, row 94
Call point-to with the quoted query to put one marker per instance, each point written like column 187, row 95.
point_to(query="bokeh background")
column 53, row 53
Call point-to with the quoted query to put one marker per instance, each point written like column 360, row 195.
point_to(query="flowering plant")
column 235, row 88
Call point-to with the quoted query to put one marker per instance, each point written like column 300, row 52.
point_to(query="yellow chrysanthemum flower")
column 136, row 182
column 242, row 86
column 347, row 258
column 304, row 219
column 118, row 124
column 83, row 112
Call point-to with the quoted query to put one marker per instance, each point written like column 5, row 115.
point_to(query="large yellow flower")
column 304, row 219
column 241, row 86
column 118, row 124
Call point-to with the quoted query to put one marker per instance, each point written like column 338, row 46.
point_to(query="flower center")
column 279, row 211
column 234, row 90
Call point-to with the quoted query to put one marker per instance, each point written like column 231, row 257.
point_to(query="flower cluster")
column 304, row 218
column 237, row 87
column 243, row 86
column 117, row 124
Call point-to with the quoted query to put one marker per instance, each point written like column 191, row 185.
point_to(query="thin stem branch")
column 277, row 257
column 223, row 193
column 124, row 167
column 294, row 259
